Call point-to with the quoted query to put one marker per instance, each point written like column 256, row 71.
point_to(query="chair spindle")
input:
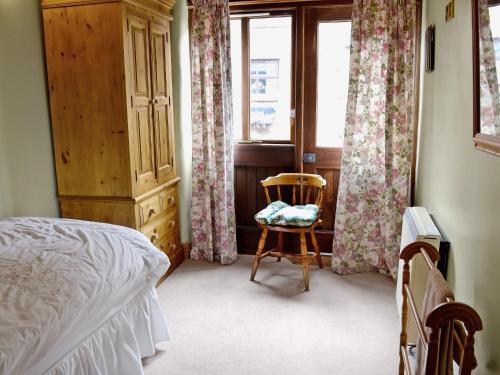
column 319, row 198
column 308, row 196
column 266, row 192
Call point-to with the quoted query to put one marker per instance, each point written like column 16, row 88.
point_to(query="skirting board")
column 186, row 248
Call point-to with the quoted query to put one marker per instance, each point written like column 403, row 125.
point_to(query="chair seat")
column 282, row 214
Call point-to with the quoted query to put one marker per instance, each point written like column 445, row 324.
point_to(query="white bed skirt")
column 118, row 345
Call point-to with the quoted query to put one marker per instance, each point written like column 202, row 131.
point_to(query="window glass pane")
column 494, row 12
column 334, row 39
column 236, row 77
column 270, row 78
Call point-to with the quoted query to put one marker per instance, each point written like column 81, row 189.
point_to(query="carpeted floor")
column 221, row 323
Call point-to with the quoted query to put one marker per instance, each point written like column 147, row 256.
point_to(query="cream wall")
column 182, row 109
column 457, row 183
column 27, row 172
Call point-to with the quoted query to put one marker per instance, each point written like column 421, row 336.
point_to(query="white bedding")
column 67, row 286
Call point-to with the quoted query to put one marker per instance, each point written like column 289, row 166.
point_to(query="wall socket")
column 450, row 11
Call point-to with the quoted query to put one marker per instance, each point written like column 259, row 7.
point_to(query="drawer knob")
column 172, row 246
column 154, row 237
column 170, row 200
column 171, row 225
column 152, row 211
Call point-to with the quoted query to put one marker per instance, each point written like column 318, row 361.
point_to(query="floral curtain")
column 376, row 160
column 488, row 78
column 213, row 214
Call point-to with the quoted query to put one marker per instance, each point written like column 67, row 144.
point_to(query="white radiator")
column 417, row 226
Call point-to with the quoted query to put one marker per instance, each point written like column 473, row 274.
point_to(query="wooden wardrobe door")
column 141, row 103
column 162, row 101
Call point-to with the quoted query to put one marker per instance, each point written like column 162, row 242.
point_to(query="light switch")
column 309, row 157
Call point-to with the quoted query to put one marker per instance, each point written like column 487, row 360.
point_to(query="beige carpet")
column 221, row 323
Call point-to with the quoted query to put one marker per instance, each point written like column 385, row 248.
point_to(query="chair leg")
column 256, row 261
column 280, row 244
column 305, row 261
column 316, row 249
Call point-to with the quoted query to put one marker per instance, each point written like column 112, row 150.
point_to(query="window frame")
column 245, row 17
column 482, row 142
column 315, row 16
column 297, row 9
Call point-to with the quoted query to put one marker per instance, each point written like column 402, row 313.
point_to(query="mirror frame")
column 483, row 142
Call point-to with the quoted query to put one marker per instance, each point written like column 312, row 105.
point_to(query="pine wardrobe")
column 110, row 88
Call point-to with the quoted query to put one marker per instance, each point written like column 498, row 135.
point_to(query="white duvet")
column 60, row 279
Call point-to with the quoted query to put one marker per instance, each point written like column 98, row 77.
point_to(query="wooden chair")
column 306, row 188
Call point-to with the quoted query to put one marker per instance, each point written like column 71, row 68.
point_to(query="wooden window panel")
column 245, row 86
column 245, row 95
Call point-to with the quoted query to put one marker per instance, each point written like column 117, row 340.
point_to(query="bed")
column 77, row 297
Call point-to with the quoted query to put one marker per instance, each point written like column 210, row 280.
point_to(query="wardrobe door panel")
column 160, row 64
column 85, row 68
column 144, row 135
column 141, row 102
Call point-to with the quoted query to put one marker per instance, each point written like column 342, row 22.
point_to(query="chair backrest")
column 306, row 188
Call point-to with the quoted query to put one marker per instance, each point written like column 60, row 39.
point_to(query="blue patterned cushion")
column 265, row 216
column 280, row 213
column 297, row 216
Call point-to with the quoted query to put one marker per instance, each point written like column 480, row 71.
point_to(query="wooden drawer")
column 165, row 226
column 152, row 208
column 168, row 199
column 169, row 246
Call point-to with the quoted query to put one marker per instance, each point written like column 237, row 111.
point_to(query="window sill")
column 262, row 142
column 487, row 143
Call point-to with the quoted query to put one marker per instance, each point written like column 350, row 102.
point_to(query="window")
column 494, row 13
column 486, row 97
column 236, row 60
column 262, row 95
column 334, row 39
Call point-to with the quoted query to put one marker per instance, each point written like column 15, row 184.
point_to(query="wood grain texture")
column 264, row 155
column 175, row 254
column 156, row 215
column 296, row 181
column 332, row 177
column 110, row 84
column 441, row 316
column 328, row 159
column 186, row 248
column 250, row 199
column 158, row 7
column 162, row 100
column 163, row 227
column 105, row 211
column 139, row 79
column 88, row 106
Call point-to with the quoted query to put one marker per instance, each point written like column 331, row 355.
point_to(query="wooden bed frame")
column 439, row 317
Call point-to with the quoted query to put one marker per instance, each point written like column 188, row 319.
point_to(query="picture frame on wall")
column 430, row 41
